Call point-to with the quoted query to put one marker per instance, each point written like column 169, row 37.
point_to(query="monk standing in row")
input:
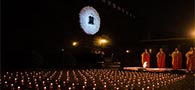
column 189, row 59
column 176, row 59
column 161, row 58
column 146, row 58
column 193, row 61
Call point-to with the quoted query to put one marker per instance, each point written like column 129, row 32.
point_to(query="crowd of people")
column 176, row 59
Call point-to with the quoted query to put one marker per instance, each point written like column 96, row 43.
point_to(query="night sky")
column 42, row 28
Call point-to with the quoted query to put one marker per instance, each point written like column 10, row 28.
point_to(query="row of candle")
column 94, row 78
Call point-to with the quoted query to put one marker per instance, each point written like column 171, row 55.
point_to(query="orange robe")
column 176, row 60
column 161, row 59
column 146, row 58
column 189, row 60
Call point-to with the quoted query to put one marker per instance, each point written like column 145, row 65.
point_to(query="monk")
column 146, row 58
column 193, row 61
column 161, row 58
column 176, row 59
column 189, row 59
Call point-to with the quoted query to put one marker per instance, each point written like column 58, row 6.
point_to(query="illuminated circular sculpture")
column 89, row 20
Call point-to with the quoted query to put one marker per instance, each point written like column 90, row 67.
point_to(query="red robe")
column 146, row 58
column 176, row 60
column 161, row 59
column 193, row 61
column 189, row 60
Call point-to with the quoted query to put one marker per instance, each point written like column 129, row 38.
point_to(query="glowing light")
column 193, row 33
column 150, row 50
column 74, row 43
column 18, row 87
column 89, row 20
column 102, row 41
column 145, row 64
column 127, row 51
column 62, row 49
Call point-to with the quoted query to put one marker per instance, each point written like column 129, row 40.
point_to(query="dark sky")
column 49, row 25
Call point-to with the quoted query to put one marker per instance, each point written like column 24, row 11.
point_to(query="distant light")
column 150, row 50
column 62, row 49
column 74, row 43
column 102, row 41
column 193, row 33
column 127, row 51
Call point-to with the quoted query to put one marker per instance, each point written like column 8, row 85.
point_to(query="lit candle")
column 15, row 80
column 35, row 80
column 85, row 82
column 148, row 88
column 37, row 86
column 43, row 83
column 59, row 87
column 39, row 77
column 22, row 77
column 117, row 88
column 56, row 81
column 29, row 85
column 126, row 86
column 51, row 86
column 153, row 85
column 12, row 86
column 9, row 78
column 6, row 84
column 94, row 85
column 64, row 83
column 7, row 73
column 22, row 82
column 105, row 86
column 94, row 88
column 139, row 83
column 73, row 84
column 83, row 87
column 12, row 74
column 18, row 87
column 45, row 88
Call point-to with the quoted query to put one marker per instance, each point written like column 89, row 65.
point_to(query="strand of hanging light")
column 121, row 9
